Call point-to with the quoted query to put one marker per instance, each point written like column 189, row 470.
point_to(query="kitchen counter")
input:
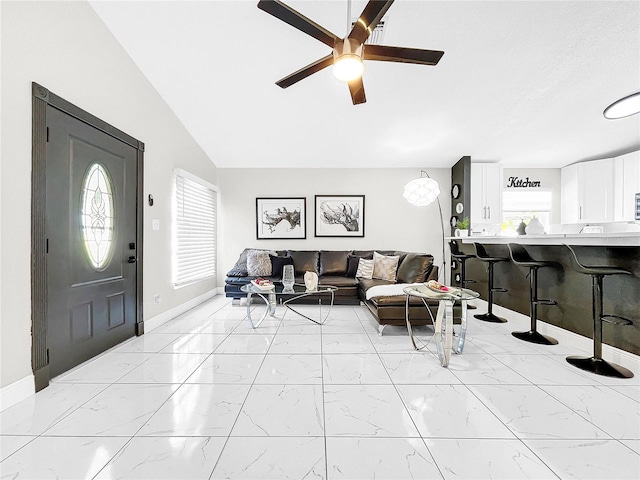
column 626, row 239
column 572, row 290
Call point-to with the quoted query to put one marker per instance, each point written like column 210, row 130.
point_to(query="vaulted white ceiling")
column 521, row 82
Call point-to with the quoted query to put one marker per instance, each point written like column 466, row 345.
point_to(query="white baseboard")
column 16, row 392
column 155, row 322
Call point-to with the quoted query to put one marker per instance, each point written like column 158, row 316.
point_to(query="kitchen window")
column 521, row 206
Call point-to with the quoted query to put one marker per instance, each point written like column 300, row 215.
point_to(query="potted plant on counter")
column 462, row 227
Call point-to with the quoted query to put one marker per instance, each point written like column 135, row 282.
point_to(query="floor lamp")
column 424, row 191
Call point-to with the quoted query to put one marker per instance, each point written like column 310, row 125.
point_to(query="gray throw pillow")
column 259, row 263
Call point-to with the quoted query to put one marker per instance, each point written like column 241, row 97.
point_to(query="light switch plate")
column 155, row 224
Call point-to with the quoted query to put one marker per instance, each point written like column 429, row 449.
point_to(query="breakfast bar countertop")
column 621, row 239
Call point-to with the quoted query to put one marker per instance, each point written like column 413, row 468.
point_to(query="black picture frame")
column 281, row 218
column 339, row 215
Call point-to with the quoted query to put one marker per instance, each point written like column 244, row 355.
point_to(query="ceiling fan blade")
column 370, row 17
column 401, row 54
column 304, row 72
column 356, row 88
column 297, row 20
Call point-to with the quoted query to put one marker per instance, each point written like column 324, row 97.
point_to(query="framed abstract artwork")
column 339, row 215
column 281, row 218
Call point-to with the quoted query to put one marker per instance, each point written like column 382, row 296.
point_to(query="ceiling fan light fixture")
column 624, row 107
column 348, row 67
column 347, row 60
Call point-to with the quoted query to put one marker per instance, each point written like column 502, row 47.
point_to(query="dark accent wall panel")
column 461, row 176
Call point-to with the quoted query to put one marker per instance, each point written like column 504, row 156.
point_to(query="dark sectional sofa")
column 337, row 268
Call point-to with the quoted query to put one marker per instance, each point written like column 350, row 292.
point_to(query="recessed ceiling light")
column 624, row 107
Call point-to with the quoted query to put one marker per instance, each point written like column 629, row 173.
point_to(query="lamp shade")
column 421, row 191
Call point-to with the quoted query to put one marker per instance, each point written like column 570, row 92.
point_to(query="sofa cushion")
column 237, row 272
column 338, row 281
column 352, row 264
column 304, row 260
column 259, row 263
column 333, row 262
column 241, row 263
column 365, row 269
column 385, row 266
column 278, row 263
column 414, row 268
column 366, row 284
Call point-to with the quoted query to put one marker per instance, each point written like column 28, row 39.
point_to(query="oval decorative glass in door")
column 97, row 216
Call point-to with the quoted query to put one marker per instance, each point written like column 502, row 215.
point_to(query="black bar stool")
column 482, row 254
column 462, row 258
column 596, row 364
column 520, row 257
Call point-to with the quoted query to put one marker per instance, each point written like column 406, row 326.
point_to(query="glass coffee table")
column 443, row 323
column 279, row 294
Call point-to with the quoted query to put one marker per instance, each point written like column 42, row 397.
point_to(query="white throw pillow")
column 258, row 263
column 385, row 267
column 365, row 269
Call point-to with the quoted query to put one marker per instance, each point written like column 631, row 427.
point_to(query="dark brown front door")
column 91, row 182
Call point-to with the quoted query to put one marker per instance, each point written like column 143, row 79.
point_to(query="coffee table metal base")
column 270, row 301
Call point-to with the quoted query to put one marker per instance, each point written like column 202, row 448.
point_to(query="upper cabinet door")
column 626, row 185
column 597, row 190
column 493, row 192
column 587, row 192
column 486, row 193
column 571, row 207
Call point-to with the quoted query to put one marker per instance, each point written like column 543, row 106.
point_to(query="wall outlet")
column 156, row 298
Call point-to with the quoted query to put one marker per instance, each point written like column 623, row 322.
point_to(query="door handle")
column 132, row 259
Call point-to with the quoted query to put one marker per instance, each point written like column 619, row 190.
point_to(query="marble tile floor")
column 205, row 397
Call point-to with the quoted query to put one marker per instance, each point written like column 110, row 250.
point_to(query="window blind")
column 194, row 229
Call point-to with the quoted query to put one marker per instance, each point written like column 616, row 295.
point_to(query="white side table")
column 443, row 323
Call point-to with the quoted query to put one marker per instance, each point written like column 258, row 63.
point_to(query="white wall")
column 66, row 48
column 390, row 222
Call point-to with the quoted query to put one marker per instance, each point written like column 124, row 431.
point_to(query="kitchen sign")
column 517, row 182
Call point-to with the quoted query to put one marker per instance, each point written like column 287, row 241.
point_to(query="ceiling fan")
column 349, row 52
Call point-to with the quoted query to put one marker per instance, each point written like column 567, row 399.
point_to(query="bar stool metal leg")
column 490, row 316
column 533, row 335
column 596, row 364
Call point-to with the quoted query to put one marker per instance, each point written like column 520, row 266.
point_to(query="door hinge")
column 47, row 356
column 47, row 247
column 47, row 134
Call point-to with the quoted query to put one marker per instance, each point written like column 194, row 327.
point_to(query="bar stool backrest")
column 455, row 250
column 519, row 254
column 481, row 252
column 593, row 270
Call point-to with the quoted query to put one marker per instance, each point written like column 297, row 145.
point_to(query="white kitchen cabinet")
column 587, row 192
column 486, row 193
column 571, row 205
column 626, row 185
